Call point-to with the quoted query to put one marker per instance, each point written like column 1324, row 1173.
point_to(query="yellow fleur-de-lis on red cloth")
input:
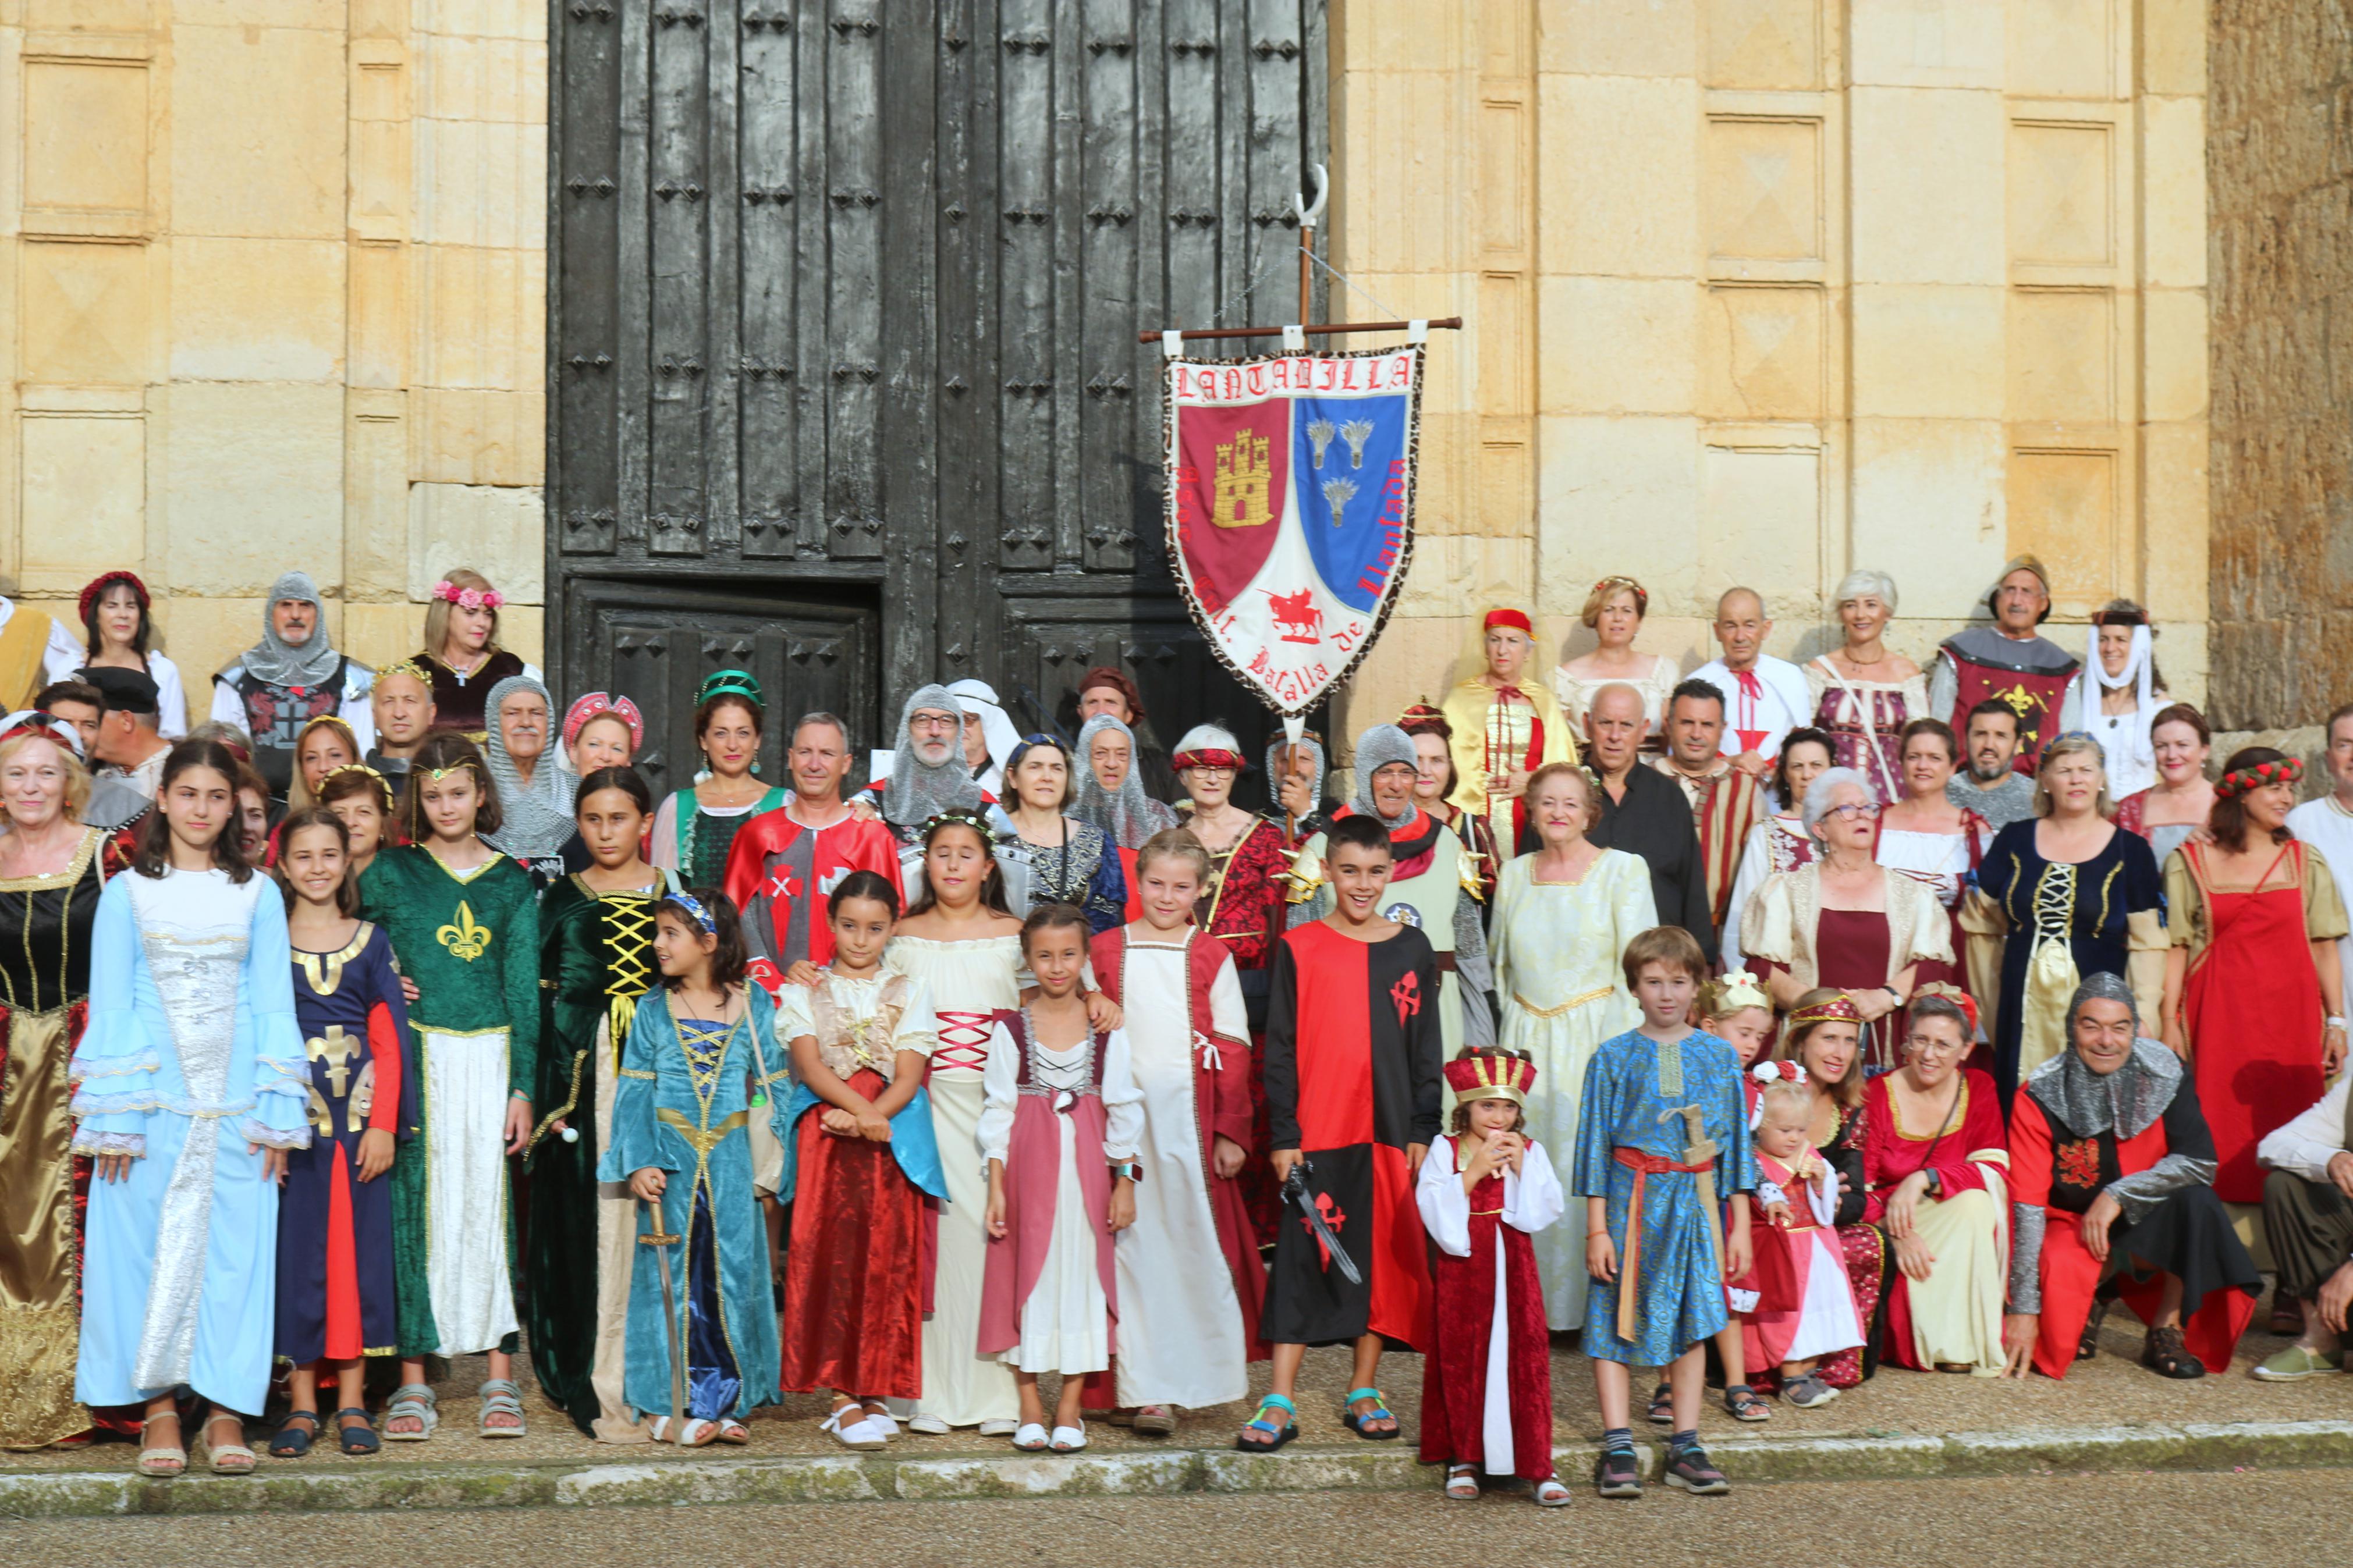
column 464, row 938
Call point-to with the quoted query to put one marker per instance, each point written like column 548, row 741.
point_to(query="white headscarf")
column 2134, row 752
column 978, row 699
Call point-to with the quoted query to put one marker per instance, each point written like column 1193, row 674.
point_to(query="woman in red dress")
column 1242, row 906
column 1937, row 1165
column 2252, row 990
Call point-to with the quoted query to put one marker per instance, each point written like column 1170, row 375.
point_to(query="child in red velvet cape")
column 1486, row 1400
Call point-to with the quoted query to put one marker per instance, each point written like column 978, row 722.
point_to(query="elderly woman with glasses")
column 1936, row 1178
column 1844, row 921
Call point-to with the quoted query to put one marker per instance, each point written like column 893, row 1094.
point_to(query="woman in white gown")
column 193, row 1085
column 1563, row 917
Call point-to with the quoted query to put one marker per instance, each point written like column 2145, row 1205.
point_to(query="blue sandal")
column 1380, row 1412
column 1276, row 1435
column 359, row 1439
column 293, row 1441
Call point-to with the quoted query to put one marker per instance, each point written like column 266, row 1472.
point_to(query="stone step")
column 284, row 1486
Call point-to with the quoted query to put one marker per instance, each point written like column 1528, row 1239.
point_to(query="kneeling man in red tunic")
column 2112, row 1196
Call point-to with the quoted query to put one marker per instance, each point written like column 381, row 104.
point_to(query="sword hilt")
column 655, row 1239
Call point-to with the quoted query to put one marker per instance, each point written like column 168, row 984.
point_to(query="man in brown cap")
column 1108, row 690
column 2009, row 661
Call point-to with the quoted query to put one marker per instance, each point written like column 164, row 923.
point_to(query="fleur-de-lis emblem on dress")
column 464, row 938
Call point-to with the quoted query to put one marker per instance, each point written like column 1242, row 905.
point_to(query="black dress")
column 458, row 699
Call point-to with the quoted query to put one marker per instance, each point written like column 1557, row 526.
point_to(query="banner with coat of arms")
column 1290, row 482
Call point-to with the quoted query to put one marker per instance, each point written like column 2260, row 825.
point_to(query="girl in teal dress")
column 464, row 924
column 700, row 1063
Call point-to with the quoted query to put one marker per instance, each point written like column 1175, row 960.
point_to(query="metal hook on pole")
column 1307, row 216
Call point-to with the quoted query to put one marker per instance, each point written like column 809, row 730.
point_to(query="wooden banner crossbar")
column 1451, row 323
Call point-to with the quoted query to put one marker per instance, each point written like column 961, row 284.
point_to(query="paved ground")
column 2112, row 1391
column 2151, row 1521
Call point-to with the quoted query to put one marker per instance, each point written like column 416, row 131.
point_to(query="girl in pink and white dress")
column 1799, row 1307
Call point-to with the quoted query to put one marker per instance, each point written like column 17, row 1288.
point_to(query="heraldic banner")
column 1290, row 483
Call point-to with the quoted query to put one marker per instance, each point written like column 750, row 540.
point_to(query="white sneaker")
column 929, row 1425
column 995, row 1428
column 859, row 1433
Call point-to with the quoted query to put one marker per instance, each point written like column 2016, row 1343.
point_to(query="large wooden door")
column 844, row 296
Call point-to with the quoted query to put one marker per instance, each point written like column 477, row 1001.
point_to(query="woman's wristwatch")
column 1132, row 1169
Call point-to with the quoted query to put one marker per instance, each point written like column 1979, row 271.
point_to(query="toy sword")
column 661, row 1243
column 1294, row 1190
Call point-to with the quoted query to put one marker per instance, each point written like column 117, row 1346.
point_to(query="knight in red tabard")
column 784, row 862
column 2009, row 661
column 1486, row 1393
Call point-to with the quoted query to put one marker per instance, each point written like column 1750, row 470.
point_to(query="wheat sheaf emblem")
column 464, row 938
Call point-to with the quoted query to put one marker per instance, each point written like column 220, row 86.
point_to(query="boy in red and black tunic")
column 1352, row 1091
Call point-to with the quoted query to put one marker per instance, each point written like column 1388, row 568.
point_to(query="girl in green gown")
column 464, row 924
column 595, row 962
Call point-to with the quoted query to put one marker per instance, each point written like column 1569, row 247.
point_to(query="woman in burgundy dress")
column 1846, row 922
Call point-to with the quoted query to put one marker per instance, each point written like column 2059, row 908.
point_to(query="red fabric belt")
column 1644, row 1165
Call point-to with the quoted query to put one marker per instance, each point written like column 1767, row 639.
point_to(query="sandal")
column 1808, row 1390
column 1549, row 1493
column 1030, row 1438
column 291, row 1442
column 412, row 1401
column 500, row 1397
column 733, row 1433
column 1690, row 1470
column 2087, row 1344
column 1744, row 1404
column 1463, row 1482
column 1155, row 1421
column 1070, row 1439
column 691, row 1434
column 879, row 1415
column 1276, row 1436
column 358, row 1437
column 227, row 1458
column 2164, row 1355
column 1618, row 1474
column 1362, row 1424
column 161, row 1464
column 1663, row 1405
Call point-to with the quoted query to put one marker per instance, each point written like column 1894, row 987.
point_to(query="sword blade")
column 1323, row 1229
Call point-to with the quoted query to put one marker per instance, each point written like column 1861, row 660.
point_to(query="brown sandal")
column 2164, row 1355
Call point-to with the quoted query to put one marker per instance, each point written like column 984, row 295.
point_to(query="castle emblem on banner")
column 1290, row 508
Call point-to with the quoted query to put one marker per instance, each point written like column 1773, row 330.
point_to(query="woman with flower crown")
column 464, row 924
column 461, row 654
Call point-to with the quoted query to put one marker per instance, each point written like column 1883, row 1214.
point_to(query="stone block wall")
column 2280, row 159
column 273, row 300
column 1762, row 291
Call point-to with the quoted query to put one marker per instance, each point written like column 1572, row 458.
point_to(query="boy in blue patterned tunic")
column 1661, row 1140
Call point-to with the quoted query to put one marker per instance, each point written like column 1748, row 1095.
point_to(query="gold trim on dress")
column 90, row 839
column 1571, row 1006
column 331, row 963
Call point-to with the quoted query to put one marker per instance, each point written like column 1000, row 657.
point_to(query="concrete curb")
column 284, row 1489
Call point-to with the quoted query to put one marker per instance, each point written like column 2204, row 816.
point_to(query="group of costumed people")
column 1764, row 1026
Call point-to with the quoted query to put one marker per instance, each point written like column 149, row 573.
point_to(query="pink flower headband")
column 597, row 704
column 469, row 598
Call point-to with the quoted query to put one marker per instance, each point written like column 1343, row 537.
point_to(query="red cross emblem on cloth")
column 1334, row 1215
column 1407, row 995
